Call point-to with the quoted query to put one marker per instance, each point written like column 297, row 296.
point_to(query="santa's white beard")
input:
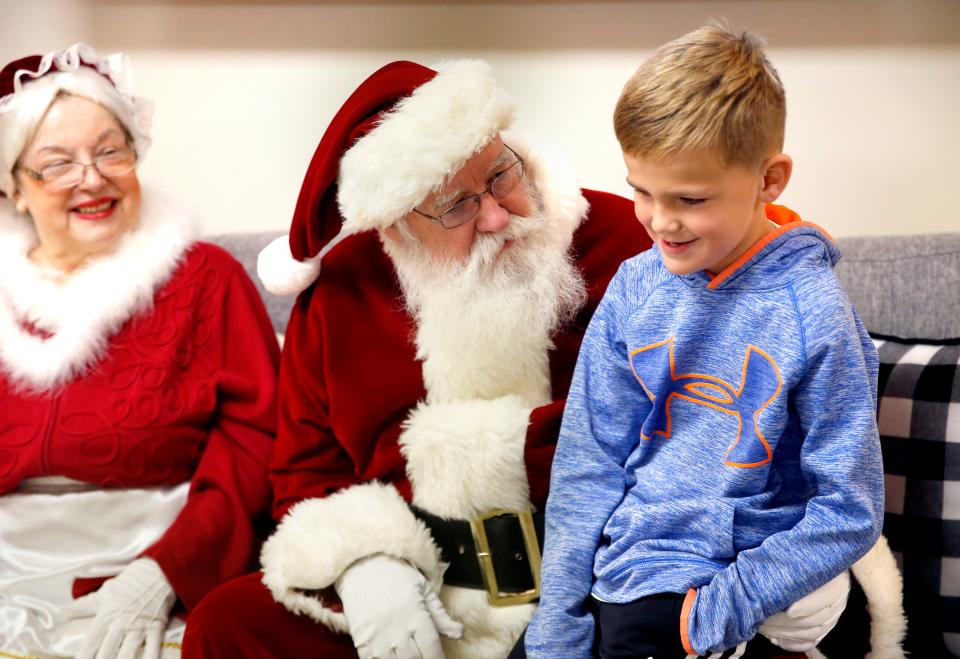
column 484, row 326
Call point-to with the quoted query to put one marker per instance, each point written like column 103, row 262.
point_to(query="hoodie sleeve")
column 587, row 481
column 834, row 405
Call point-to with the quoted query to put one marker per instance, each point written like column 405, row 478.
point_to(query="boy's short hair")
column 710, row 89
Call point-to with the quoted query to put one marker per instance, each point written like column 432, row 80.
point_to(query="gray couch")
column 909, row 287
column 902, row 286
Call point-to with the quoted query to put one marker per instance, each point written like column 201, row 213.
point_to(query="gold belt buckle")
column 494, row 596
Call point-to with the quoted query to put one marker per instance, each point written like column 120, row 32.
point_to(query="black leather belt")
column 507, row 567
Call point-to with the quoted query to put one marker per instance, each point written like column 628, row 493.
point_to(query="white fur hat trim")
column 424, row 139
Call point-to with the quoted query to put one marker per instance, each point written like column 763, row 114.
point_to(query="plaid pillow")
column 918, row 414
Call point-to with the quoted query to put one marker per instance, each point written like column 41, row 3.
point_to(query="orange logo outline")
column 712, row 392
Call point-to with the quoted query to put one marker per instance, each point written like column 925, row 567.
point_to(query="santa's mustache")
column 488, row 247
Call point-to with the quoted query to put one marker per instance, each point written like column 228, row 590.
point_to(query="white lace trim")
column 115, row 66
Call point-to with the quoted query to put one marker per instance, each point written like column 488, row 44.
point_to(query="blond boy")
column 719, row 457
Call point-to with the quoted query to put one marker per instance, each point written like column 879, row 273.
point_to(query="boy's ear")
column 776, row 172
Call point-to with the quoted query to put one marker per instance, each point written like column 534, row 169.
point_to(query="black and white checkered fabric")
column 918, row 415
column 733, row 653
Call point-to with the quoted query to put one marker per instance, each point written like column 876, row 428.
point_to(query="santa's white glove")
column 128, row 611
column 809, row 619
column 392, row 611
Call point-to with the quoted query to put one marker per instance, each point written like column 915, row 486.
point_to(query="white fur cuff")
column 880, row 579
column 320, row 538
column 466, row 458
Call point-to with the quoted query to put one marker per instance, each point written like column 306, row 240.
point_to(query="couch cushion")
column 245, row 247
column 904, row 285
column 918, row 415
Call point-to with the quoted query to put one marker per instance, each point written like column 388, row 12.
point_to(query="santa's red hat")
column 405, row 130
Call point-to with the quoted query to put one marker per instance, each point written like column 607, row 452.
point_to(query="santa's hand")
column 808, row 620
column 392, row 611
column 128, row 611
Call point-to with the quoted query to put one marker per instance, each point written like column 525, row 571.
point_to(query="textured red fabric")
column 349, row 374
column 316, row 218
column 184, row 392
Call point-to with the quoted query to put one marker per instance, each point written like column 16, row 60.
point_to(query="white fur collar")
column 85, row 310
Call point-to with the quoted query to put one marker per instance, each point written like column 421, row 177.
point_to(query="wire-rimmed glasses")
column 503, row 183
column 61, row 175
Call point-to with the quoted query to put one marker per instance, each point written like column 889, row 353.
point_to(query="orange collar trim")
column 787, row 220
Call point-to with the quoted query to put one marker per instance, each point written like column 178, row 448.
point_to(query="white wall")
column 244, row 90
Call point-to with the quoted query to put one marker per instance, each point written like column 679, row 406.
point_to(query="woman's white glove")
column 809, row 619
column 128, row 611
column 392, row 611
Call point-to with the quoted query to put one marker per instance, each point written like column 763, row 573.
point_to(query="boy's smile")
column 675, row 247
column 701, row 214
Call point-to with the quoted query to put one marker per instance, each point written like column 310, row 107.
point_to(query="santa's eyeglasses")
column 503, row 183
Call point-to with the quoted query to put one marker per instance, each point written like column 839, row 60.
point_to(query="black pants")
column 647, row 627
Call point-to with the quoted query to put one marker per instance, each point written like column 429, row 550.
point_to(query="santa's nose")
column 491, row 217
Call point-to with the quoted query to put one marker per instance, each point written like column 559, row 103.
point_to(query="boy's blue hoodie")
column 719, row 440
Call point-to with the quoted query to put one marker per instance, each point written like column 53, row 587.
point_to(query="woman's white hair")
column 35, row 91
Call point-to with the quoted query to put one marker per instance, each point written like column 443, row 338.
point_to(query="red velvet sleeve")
column 309, row 462
column 215, row 536
column 348, row 379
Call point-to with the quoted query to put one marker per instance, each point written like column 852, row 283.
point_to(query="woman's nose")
column 91, row 177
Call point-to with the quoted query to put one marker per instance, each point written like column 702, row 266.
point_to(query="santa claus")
column 446, row 272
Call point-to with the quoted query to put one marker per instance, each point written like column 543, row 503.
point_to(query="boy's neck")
column 760, row 228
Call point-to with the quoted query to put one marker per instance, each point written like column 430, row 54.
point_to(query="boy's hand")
column 809, row 619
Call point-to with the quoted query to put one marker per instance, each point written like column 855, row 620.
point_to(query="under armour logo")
column 760, row 384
